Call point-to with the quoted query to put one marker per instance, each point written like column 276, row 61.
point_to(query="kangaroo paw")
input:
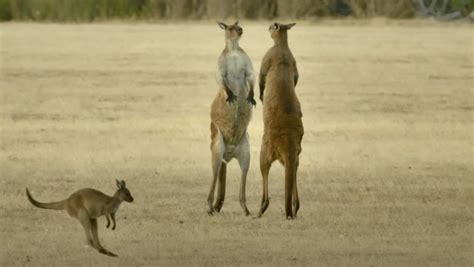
column 231, row 98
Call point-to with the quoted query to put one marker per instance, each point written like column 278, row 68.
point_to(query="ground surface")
column 386, row 174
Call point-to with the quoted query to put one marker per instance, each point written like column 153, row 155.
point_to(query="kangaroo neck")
column 114, row 202
column 281, row 41
column 232, row 45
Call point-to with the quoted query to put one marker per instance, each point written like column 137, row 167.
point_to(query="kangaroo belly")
column 231, row 119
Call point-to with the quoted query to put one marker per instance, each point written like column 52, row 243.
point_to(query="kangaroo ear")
column 222, row 25
column 236, row 23
column 119, row 185
column 123, row 184
column 289, row 26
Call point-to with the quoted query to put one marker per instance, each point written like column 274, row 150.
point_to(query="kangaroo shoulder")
column 243, row 53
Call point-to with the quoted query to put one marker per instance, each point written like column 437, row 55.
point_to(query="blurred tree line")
column 100, row 10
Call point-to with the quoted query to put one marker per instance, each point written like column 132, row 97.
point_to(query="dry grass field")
column 386, row 173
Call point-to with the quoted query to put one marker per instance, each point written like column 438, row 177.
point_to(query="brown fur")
column 86, row 205
column 232, row 120
column 283, row 127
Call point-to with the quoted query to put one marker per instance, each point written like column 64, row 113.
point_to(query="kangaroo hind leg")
column 244, row 163
column 266, row 160
column 221, row 188
column 83, row 218
column 296, row 199
column 217, row 150
column 95, row 236
column 290, row 178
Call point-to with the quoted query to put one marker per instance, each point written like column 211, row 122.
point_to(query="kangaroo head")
column 123, row 192
column 232, row 32
column 279, row 31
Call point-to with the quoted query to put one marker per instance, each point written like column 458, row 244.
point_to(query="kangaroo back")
column 60, row 205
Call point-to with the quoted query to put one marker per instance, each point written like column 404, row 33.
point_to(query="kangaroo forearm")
column 227, row 90
column 225, row 84
column 251, row 91
column 261, row 81
column 262, row 88
column 250, row 97
column 112, row 216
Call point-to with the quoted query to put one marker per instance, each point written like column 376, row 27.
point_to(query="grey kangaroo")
column 231, row 111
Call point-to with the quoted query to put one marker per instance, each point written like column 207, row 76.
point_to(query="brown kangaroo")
column 283, row 128
column 86, row 205
column 231, row 111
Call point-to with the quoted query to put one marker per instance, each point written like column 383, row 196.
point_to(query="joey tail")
column 60, row 205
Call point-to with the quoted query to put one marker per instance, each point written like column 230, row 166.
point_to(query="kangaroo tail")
column 52, row 206
column 291, row 149
column 290, row 183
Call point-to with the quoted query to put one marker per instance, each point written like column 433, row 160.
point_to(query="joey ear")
column 289, row 26
column 236, row 23
column 222, row 25
column 123, row 184
column 118, row 184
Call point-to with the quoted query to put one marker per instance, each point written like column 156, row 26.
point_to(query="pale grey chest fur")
column 235, row 68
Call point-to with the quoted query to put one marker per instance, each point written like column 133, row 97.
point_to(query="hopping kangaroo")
column 87, row 205
column 283, row 128
column 231, row 111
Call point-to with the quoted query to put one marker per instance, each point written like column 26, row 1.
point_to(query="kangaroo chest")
column 236, row 66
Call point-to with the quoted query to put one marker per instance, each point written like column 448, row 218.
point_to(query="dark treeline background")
column 100, row 10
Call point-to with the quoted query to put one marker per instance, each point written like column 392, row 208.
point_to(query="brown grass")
column 386, row 169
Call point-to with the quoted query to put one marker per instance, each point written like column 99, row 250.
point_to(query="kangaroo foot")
column 218, row 206
column 210, row 211
column 106, row 252
column 263, row 208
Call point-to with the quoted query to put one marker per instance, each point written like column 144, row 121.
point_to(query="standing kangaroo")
column 87, row 205
column 283, row 128
column 231, row 111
